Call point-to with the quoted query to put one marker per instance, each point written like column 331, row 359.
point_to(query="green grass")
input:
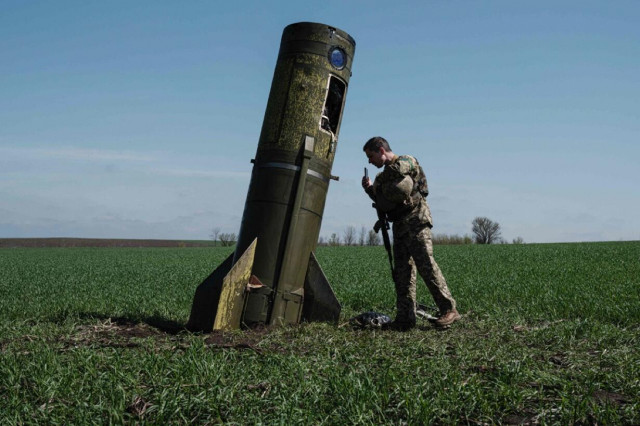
column 550, row 334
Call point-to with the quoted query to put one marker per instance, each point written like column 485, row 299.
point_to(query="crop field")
column 550, row 334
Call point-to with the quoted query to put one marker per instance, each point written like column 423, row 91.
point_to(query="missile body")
column 273, row 278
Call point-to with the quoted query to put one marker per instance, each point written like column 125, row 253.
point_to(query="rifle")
column 382, row 225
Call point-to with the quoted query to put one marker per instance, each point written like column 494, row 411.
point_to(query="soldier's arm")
column 405, row 166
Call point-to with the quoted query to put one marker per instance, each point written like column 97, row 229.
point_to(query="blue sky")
column 124, row 119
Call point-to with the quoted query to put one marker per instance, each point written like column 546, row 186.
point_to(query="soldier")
column 400, row 191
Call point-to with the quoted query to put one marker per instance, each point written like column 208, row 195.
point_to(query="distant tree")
column 214, row 235
column 485, row 230
column 321, row 241
column 518, row 240
column 349, row 235
column 373, row 239
column 227, row 239
column 334, row 240
column 451, row 239
column 363, row 236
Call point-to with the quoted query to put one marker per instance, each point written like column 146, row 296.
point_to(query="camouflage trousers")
column 411, row 251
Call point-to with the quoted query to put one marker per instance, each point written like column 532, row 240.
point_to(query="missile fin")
column 206, row 298
column 320, row 302
column 234, row 289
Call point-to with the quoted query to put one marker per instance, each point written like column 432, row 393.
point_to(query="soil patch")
column 124, row 333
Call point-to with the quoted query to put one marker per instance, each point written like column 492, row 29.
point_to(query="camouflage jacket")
column 413, row 212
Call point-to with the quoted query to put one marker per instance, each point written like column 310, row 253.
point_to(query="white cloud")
column 73, row 153
column 201, row 173
column 73, row 191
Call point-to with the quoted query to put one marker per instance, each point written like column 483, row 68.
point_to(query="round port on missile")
column 337, row 58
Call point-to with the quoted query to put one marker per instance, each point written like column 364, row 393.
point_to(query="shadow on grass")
column 162, row 324
column 120, row 332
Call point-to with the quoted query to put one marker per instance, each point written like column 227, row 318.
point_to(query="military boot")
column 447, row 319
column 398, row 326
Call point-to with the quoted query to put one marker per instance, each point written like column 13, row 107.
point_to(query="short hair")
column 375, row 143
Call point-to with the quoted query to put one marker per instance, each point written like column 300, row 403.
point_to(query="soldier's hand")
column 366, row 183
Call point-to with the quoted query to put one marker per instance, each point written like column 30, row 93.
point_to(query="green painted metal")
column 320, row 303
column 305, row 87
column 289, row 184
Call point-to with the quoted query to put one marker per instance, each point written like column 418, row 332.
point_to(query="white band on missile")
column 294, row 168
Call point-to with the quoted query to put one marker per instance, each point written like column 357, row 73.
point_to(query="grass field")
column 550, row 334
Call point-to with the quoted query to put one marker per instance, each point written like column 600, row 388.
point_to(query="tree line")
column 483, row 229
column 225, row 239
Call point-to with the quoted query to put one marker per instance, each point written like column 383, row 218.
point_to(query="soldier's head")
column 378, row 151
column 375, row 143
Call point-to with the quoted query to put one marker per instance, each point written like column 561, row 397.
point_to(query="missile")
column 273, row 277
